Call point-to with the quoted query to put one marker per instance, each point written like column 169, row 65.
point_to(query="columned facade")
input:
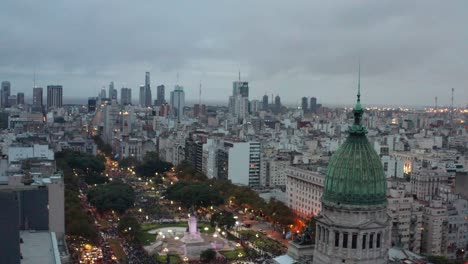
column 348, row 236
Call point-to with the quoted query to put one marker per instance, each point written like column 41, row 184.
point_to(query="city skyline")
column 407, row 54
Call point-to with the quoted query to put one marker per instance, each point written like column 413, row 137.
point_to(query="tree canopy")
column 194, row 194
column 208, row 255
column 152, row 165
column 223, row 219
column 116, row 196
column 129, row 226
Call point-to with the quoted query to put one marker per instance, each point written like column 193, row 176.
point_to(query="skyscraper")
column 304, row 104
column 142, row 96
column 265, row 102
column 177, row 102
column 20, row 98
column 353, row 226
column 54, row 96
column 161, row 95
column 102, row 95
column 92, row 102
column 277, row 103
column 240, row 88
column 112, row 91
column 125, row 96
column 5, row 93
column 148, row 97
column 313, row 104
column 37, row 99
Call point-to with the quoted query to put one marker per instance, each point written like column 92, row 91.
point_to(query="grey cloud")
column 414, row 46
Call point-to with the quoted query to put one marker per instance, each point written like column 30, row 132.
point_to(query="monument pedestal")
column 192, row 250
column 301, row 253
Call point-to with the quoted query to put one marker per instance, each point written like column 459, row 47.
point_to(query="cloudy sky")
column 410, row 51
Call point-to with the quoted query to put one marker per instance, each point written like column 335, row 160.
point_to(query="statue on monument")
column 305, row 238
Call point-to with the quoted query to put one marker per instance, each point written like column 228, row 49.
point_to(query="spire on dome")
column 357, row 127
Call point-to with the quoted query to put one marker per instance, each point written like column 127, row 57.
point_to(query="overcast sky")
column 410, row 51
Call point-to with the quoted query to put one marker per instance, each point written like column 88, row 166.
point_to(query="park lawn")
column 201, row 226
column 117, row 249
column 172, row 260
column 232, row 254
column 147, row 238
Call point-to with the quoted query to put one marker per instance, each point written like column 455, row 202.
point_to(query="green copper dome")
column 355, row 176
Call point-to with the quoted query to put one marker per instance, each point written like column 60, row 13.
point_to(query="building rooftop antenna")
column 199, row 95
column 451, row 109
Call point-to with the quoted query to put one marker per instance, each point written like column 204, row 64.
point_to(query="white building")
column 406, row 219
column 393, row 166
column 457, row 232
column 210, row 150
column 435, row 227
column 240, row 163
column 304, row 189
column 21, row 152
column 425, row 183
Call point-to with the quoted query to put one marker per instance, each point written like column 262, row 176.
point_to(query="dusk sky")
column 410, row 51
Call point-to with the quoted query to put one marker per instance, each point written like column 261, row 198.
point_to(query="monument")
column 194, row 244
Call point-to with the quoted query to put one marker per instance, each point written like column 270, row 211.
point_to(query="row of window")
column 370, row 240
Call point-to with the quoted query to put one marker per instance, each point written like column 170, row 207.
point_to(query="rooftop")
column 39, row 247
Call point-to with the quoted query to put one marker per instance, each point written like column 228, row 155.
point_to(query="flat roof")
column 39, row 247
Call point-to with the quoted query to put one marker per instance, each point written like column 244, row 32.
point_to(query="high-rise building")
column 92, row 102
column 277, row 103
column 239, row 162
column 12, row 100
column 37, row 99
column 102, row 95
column 125, row 96
column 255, row 106
column 265, row 102
column 199, row 110
column 112, row 91
column 353, row 225
column 148, row 97
column 177, row 102
column 304, row 105
column 164, row 110
column 54, row 96
column 142, row 96
column 20, row 98
column 5, row 93
column 161, row 95
column 240, row 88
column 313, row 105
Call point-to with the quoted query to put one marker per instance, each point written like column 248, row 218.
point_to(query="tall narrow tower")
column 353, row 226
column 451, row 109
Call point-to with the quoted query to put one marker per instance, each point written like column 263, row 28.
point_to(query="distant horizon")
column 220, row 103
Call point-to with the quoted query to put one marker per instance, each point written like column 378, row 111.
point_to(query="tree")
column 77, row 221
column 116, row 196
column 129, row 162
column 223, row 219
column 208, row 255
column 280, row 213
column 129, row 226
column 152, row 165
column 196, row 194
